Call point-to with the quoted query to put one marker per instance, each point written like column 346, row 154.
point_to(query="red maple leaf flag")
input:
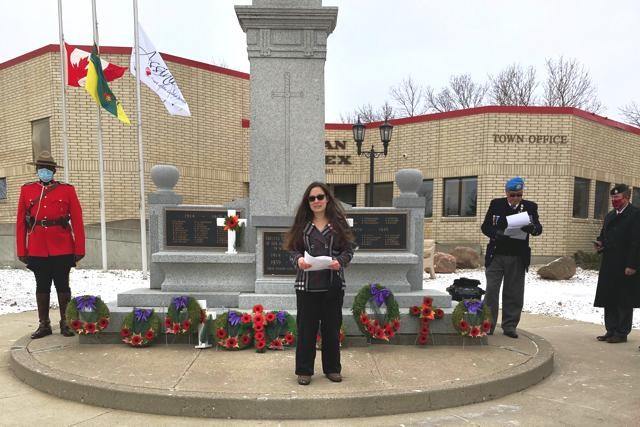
column 78, row 63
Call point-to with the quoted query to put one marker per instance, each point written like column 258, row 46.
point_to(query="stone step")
column 157, row 298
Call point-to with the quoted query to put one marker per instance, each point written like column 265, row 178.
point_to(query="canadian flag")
column 78, row 63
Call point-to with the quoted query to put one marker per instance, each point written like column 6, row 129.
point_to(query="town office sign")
column 514, row 138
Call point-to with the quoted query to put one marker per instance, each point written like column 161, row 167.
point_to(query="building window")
column 382, row 194
column 345, row 193
column 580, row 198
column 460, row 196
column 3, row 188
column 602, row 200
column 636, row 196
column 426, row 191
column 40, row 137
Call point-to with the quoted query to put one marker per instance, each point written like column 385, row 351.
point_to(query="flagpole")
column 63, row 60
column 143, row 225
column 103, row 225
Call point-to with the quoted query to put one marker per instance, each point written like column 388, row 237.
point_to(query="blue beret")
column 514, row 184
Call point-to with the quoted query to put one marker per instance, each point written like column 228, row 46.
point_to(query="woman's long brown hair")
column 304, row 214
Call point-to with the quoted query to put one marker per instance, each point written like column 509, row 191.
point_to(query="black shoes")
column 604, row 337
column 65, row 330
column 336, row 378
column 617, row 339
column 304, row 379
column 510, row 334
column 44, row 329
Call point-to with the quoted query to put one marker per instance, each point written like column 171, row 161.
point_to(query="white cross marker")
column 231, row 239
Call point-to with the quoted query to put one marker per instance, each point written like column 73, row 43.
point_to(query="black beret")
column 619, row 188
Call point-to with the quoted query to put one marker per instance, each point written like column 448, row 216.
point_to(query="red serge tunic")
column 43, row 241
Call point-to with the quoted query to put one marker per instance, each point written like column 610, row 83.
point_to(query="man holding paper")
column 508, row 223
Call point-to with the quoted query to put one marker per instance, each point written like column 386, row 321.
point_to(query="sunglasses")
column 515, row 194
column 319, row 197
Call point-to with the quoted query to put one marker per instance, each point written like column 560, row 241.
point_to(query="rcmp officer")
column 49, row 238
column 618, row 288
column 508, row 256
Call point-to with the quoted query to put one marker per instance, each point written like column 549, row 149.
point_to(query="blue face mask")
column 45, row 175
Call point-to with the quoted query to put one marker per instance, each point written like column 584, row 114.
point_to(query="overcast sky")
column 376, row 43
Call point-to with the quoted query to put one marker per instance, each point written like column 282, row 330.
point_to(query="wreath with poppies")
column 341, row 337
column 278, row 331
column 233, row 330
column 87, row 314
column 380, row 324
column 140, row 327
column 425, row 313
column 472, row 317
column 182, row 314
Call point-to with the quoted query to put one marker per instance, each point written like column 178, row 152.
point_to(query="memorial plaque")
column 276, row 260
column 194, row 228
column 380, row 230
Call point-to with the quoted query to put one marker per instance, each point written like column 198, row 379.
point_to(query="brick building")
column 568, row 157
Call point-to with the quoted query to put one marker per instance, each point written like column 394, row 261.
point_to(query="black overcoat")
column 620, row 237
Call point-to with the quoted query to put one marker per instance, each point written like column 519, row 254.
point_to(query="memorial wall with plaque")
column 276, row 260
column 384, row 231
column 186, row 228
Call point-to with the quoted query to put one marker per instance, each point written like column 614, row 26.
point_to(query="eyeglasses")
column 319, row 197
column 515, row 194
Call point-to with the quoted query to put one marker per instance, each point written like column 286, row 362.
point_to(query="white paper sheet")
column 514, row 223
column 317, row 262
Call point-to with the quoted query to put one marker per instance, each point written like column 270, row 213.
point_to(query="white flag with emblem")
column 156, row 75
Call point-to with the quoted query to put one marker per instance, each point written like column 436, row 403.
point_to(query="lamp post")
column 385, row 136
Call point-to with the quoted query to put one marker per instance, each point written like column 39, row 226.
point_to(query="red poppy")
column 289, row 338
column 230, row 222
column 388, row 328
column 258, row 308
column 427, row 312
column 186, row 324
column 258, row 327
column 463, row 325
column 176, row 328
column 203, row 316
column 149, row 335
column 103, row 323
column 260, row 344
column 424, row 330
column 318, row 338
column 341, row 336
column 422, row 339
column 258, row 319
column 380, row 334
column 427, row 301
column 90, row 327
column 364, row 318
column 259, row 336
column 136, row 340
column 475, row 331
column 486, row 326
column 168, row 323
column 391, row 334
column 371, row 329
column 376, row 323
column 76, row 324
column 270, row 316
column 425, row 320
column 276, row 344
column 415, row 310
column 396, row 324
column 221, row 333
column 246, row 318
column 232, row 342
column 246, row 339
column 439, row 313
column 125, row 332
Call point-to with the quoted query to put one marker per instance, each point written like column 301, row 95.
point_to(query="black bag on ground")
column 464, row 288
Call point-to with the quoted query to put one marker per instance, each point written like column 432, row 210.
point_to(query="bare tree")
column 462, row 93
column 631, row 113
column 514, row 85
column 409, row 97
column 569, row 85
column 366, row 113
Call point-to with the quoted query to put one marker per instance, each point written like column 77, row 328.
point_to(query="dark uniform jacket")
column 499, row 244
column 620, row 237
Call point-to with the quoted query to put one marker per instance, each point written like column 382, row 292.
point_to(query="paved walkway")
column 593, row 383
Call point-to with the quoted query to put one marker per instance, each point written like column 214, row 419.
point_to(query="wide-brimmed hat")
column 45, row 159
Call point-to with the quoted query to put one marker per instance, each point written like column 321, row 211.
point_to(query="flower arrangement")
column 139, row 328
column 233, row 330
column 472, row 317
column 341, row 337
column 232, row 223
column 87, row 314
column 278, row 330
column 381, row 327
column 426, row 313
column 182, row 314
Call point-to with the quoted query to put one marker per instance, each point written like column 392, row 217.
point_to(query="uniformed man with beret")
column 508, row 254
column 49, row 238
column 618, row 288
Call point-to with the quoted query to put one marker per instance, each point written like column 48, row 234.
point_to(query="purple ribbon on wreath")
column 234, row 318
column 141, row 314
column 379, row 295
column 86, row 303
column 281, row 316
column 180, row 302
column 473, row 307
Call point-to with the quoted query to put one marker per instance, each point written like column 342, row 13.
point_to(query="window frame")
column 585, row 206
column 460, row 184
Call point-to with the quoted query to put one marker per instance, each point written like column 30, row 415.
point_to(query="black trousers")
column 51, row 269
column 618, row 320
column 510, row 269
column 319, row 310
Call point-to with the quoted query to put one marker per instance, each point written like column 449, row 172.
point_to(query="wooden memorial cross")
column 231, row 239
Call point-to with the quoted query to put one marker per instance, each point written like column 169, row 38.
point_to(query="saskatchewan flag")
column 99, row 90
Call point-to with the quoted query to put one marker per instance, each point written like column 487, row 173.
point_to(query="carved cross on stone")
column 231, row 236
column 287, row 95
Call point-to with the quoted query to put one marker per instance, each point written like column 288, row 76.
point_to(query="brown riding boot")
column 44, row 328
column 63, row 301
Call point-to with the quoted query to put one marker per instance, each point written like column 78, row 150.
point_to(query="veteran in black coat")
column 618, row 288
column 507, row 258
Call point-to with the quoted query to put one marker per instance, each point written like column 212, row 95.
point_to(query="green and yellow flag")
column 99, row 90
